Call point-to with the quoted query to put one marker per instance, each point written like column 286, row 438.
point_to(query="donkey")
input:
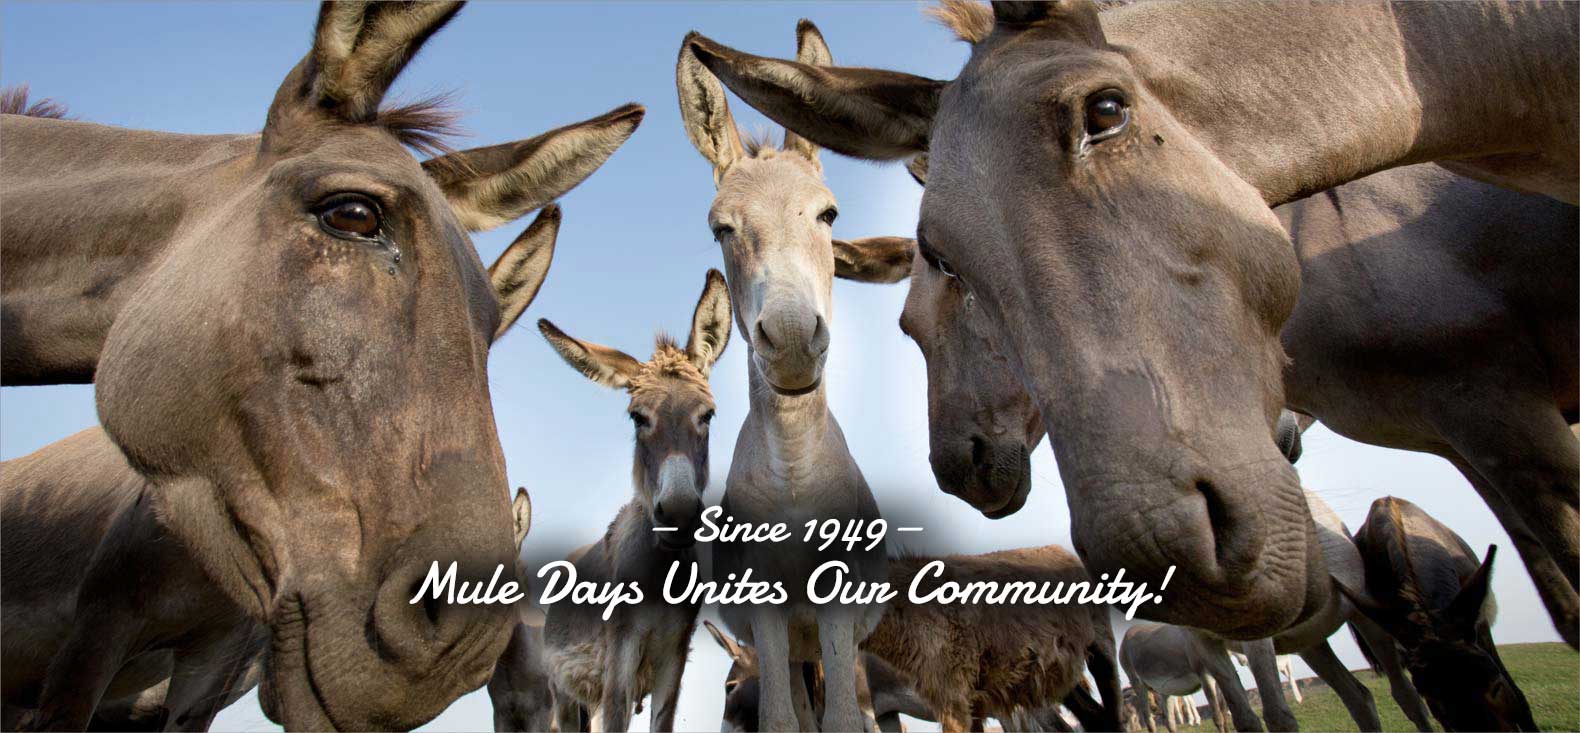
column 102, row 602
column 521, row 690
column 1286, row 669
column 1112, row 219
column 1425, row 586
column 773, row 218
column 288, row 334
column 609, row 666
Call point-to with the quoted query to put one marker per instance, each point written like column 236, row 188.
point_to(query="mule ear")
column 519, row 272
column 710, row 324
column 865, row 113
column 724, row 641
column 917, row 167
column 1075, row 20
column 874, row 259
column 492, row 185
column 521, row 515
column 705, row 112
column 1464, row 612
column 609, row 367
column 812, row 50
column 358, row 50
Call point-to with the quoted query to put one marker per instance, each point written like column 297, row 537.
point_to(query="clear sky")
column 631, row 257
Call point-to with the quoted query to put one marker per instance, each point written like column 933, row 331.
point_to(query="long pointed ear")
column 866, row 113
column 521, row 515
column 492, row 185
column 812, row 50
column 358, row 50
column 1465, row 610
column 917, row 167
column 519, row 272
column 710, row 324
column 609, row 367
column 874, row 259
column 724, row 641
column 705, row 112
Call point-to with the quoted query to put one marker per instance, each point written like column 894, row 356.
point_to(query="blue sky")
column 631, row 257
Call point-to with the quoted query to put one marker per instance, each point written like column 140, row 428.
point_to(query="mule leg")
column 869, row 717
column 1143, row 703
column 1102, row 660
column 836, row 634
column 567, row 712
column 1216, row 703
column 1357, row 699
column 1263, row 661
column 1386, row 652
column 1171, row 718
column 1525, row 463
column 771, row 635
column 208, row 678
column 1215, row 661
column 619, row 678
column 1286, row 667
column 666, row 687
column 1092, row 715
column 801, row 697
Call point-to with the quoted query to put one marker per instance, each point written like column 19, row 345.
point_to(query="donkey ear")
column 812, row 50
column 874, row 259
column 865, row 113
column 520, row 270
column 710, row 324
column 490, row 186
column 724, row 641
column 1465, row 610
column 705, row 112
column 608, row 367
column 358, row 49
column 521, row 514
column 918, row 169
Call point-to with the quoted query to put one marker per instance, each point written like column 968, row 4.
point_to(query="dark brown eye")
column 720, row 231
column 350, row 215
column 1106, row 114
column 639, row 420
column 932, row 259
column 828, row 216
column 707, row 417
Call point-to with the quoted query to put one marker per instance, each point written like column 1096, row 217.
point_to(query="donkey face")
column 305, row 375
column 671, row 407
column 773, row 217
column 1139, row 286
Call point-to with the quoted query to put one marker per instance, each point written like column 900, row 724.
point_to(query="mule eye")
column 707, row 417
column 931, row 258
column 351, row 215
column 639, row 420
column 722, row 230
column 828, row 216
column 1106, row 114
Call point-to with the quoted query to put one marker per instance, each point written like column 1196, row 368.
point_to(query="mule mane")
column 13, row 101
column 669, row 360
column 422, row 125
column 759, row 144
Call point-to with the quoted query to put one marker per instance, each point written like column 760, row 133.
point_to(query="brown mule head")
column 1427, row 590
column 1138, row 284
column 304, row 377
column 671, row 407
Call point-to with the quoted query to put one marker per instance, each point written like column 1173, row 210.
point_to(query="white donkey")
column 773, row 218
column 608, row 667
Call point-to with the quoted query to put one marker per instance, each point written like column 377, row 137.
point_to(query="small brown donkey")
column 102, row 605
column 288, row 333
column 610, row 666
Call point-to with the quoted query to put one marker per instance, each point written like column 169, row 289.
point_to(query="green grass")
column 1549, row 674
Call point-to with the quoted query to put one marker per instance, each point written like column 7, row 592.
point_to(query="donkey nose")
column 794, row 331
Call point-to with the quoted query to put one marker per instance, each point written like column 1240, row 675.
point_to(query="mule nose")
column 680, row 510
column 787, row 330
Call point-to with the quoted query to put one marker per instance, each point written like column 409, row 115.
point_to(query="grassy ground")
column 1549, row 674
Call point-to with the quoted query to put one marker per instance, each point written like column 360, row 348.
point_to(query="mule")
column 773, row 217
column 1426, row 587
column 288, row 335
column 521, row 691
column 1286, row 670
column 608, row 666
column 103, row 601
column 1101, row 185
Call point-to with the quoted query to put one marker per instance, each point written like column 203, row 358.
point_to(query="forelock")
column 969, row 20
column 669, row 362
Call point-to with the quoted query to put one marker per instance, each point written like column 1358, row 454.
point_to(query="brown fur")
column 13, row 101
column 992, row 659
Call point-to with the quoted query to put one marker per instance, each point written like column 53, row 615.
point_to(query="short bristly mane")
column 969, row 20
column 13, row 101
column 422, row 125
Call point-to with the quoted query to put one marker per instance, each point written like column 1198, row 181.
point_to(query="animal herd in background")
column 1105, row 273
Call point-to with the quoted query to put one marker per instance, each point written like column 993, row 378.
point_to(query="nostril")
column 979, row 451
column 762, row 335
column 661, row 516
column 820, row 336
column 430, row 605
